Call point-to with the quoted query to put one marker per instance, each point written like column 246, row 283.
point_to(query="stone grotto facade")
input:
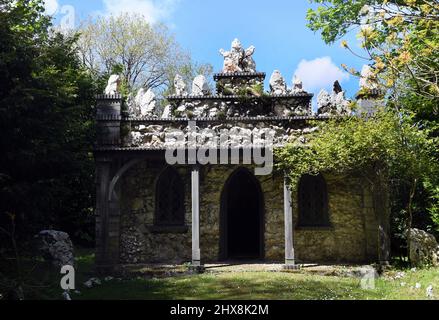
column 149, row 211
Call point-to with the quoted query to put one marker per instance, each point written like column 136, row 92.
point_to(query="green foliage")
column 258, row 89
column 335, row 18
column 144, row 55
column 357, row 144
column 47, row 132
column 222, row 115
column 400, row 39
column 385, row 145
column 433, row 207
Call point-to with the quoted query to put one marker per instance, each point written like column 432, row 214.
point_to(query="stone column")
column 290, row 261
column 108, row 118
column 196, row 254
column 102, row 211
column 107, row 217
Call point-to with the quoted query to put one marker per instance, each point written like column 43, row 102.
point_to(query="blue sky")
column 277, row 28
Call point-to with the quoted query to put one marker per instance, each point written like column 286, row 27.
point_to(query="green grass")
column 236, row 286
column 263, row 285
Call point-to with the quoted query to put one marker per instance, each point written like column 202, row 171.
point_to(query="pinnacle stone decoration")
column 239, row 95
column 238, row 59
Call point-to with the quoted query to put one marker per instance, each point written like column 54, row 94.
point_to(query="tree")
column 400, row 40
column 384, row 150
column 46, row 123
column 147, row 56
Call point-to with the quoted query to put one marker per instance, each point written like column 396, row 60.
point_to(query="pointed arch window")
column 169, row 199
column 313, row 202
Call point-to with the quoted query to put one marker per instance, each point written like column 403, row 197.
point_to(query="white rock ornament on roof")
column 248, row 63
column 113, row 85
column 200, row 87
column 180, row 86
column 278, row 85
column 167, row 112
column 133, row 108
column 367, row 80
column 146, row 101
column 238, row 59
column 333, row 104
column 323, row 101
column 297, row 86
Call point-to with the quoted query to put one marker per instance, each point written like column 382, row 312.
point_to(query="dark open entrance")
column 242, row 225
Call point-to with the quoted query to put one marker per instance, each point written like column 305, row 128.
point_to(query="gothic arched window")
column 169, row 199
column 313, row 202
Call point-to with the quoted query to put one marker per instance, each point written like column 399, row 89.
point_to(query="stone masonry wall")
column 352, row 237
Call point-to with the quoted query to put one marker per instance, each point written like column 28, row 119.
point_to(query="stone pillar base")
column 291, row 267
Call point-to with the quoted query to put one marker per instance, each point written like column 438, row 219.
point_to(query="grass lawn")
column 260, row 286
column 254, row 285
column 238, row 285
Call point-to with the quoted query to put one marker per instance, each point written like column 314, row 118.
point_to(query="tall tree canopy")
column 146, row 55
column 46, row 112
column 400, row 40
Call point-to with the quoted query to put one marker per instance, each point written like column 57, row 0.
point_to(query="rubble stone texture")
column 55, row 247
column 350, row 239
column 424, row 249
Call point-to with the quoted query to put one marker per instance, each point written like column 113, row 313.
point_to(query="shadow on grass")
column 234, row 286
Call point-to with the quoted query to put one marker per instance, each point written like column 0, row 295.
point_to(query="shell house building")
column 193, row 183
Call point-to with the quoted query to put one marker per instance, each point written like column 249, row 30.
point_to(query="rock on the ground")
column 429, row 291
column 92, row 282
column 424, row 249
column 66, row 296
column 55, row 247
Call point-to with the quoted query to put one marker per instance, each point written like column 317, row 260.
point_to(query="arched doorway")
column 242, row 217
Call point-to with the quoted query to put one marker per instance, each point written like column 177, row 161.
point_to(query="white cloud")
column 152, row 10
column 320, row 73
column 51, row 7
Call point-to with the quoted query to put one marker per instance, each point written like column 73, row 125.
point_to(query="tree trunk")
column 410, row 216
